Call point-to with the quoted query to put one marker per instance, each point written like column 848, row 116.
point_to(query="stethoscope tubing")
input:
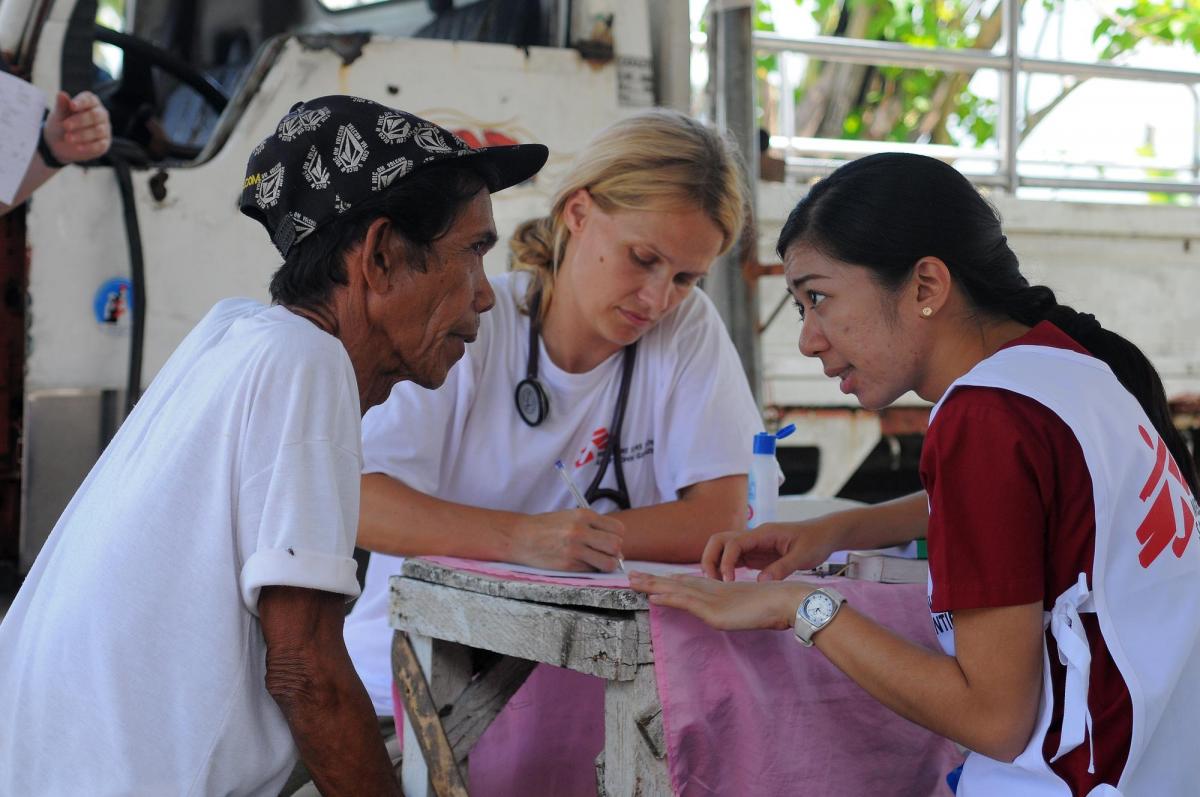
column 533, row 407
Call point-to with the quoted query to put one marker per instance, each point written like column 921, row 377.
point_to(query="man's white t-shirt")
column 132, row 660
column 690, row 418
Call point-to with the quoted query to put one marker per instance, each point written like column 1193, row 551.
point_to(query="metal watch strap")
column 803, row 628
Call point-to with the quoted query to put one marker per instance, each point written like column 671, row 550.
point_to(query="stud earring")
column 926, row 311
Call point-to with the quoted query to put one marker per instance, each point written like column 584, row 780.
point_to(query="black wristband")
column 43, row 149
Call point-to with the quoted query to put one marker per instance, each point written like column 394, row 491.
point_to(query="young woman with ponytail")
column 608, row 281
column 1059, row 500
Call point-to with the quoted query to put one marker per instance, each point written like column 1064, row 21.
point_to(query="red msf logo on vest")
column 1165, row 524
column 595, row 446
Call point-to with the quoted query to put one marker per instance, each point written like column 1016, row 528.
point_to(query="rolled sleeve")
column 296, row 567
column 299, row 522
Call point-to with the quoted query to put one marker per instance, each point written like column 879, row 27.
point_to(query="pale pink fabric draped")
column 745, row 713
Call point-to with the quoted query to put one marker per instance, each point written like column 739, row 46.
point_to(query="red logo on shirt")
column 1164, row 525
column 588, row 453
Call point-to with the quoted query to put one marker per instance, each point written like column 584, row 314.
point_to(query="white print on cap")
column 304, row 226
column 339, row 204
column 429, row 138
column 350, row 150
column 389, row 173
column 393, row 128
column 314, row 170
column 294, row 124
column 261, row 146
column 269, row 187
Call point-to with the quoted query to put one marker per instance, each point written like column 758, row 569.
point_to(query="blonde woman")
column 601, row 352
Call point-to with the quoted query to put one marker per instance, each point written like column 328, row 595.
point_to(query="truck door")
column 193, row 86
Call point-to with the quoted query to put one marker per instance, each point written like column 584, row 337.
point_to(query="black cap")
column 328, row 154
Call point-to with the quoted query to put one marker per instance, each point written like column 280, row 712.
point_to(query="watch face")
column 818, row 608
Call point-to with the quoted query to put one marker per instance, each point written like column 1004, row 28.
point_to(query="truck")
column 110, row 265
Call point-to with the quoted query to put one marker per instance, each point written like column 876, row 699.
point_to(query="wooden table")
column 465, row 642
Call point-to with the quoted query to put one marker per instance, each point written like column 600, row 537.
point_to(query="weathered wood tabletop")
column 446, row 613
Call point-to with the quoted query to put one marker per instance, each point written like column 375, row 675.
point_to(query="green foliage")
column 946, row 24
column 764, row 21
column 1159, row 21
column 931, row 105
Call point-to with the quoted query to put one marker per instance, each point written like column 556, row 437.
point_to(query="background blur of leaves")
column 834, row 100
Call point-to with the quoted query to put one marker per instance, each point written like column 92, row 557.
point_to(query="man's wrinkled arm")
column 310, row 676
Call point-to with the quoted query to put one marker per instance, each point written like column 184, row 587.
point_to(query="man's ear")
column 576, row 210
column 379, row 257
column 932, row 282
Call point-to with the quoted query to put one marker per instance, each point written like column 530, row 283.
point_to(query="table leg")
column 635, row 763
column 428, row 673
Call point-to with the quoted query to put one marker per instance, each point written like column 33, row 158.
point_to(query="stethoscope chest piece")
column 533, row 405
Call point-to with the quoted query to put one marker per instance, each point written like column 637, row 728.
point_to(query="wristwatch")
column 815, row 612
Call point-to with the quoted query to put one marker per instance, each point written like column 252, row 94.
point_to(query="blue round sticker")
column 113, row 302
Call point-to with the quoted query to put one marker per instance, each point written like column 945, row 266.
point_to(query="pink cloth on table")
column 745, row 713
column 756, row 713
column 544, row 741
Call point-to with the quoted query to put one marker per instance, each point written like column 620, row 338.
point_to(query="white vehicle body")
column 1135, row 267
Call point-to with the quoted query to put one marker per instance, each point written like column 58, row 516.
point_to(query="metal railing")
column 807, row 156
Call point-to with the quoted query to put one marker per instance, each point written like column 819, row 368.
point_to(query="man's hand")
column 78, row 128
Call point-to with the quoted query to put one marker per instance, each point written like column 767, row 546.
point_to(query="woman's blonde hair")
column 659, row 160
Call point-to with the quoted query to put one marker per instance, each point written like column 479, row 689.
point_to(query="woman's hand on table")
column 728, row 606
column 574, row 539
column 776, row 549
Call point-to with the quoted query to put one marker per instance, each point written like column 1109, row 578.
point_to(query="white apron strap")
column 1076, row 655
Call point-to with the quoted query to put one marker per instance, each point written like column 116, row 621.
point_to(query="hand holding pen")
column 580, row 501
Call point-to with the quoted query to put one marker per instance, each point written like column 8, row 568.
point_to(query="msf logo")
column 1172, row 519
column 595, row 446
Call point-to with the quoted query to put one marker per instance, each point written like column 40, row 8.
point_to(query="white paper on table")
column 653, row 568
column 21, row 109
column 907, row 550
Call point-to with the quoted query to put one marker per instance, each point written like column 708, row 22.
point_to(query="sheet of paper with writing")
column 21, row 108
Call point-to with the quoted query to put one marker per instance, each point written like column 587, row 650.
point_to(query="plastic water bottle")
column 764, row 478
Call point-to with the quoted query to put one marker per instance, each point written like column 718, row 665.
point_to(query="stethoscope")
column 533, row 405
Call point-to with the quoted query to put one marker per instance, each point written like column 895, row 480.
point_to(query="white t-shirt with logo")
column 132, row 661
column 690, row 418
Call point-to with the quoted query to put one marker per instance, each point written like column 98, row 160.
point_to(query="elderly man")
column 181, row 632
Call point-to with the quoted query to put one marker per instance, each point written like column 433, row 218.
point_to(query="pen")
column 580, row 501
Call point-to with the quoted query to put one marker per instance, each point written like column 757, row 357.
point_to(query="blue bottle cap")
column 764, row 443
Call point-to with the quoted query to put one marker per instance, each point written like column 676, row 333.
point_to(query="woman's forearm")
column 677, row 531
column 892, row 522
column 984, row 701
column 396, row 519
